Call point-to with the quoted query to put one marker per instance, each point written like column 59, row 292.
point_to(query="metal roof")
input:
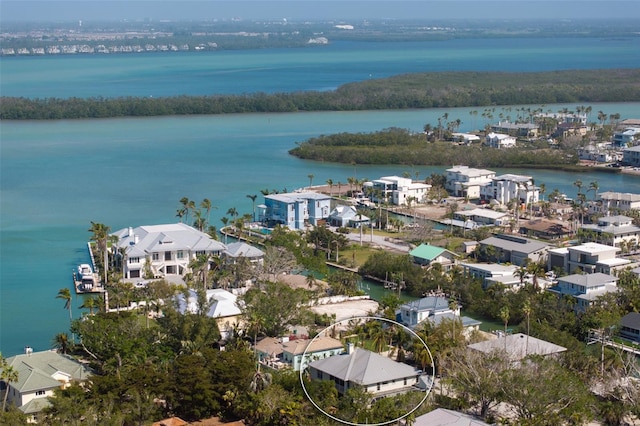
column 364, row 367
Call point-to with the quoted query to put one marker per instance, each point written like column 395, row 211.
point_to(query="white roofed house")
column 163, row 250
column 482, row 217
column 507, row 187
column 588, row 258
column 223, row 306
column 238, row 250
column 296, row 210
column 39, row 374
column 463, row 181
column 347, row 216
column 500, row 140
column 585, row 288
column 519, row 346
column 396, row 190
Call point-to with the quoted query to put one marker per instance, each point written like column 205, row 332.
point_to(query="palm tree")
column 453, row 305
column 330, row 183
column 61, row 342
column 233, row 212
column 8, row 375
column 185, row 207
column 65, row 294
column 253, row 204
column 504, row 316
column 593, row 186
column 90, row 303
column 207, row 205
column 101, row 236
column 526, row 310
column 310, row 176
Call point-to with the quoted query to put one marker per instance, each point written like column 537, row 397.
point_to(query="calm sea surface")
column 56, row 177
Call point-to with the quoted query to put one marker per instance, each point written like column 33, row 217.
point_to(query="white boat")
column 84, row 270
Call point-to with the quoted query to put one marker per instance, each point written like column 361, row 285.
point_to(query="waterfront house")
column 631, row 156
column 500, row 140
column 369, row 371
column 463, row 181
column 492, row 273
column 481, row 217
column 588, row 258
column 518, row 346
column 514, row 249
column 585, row 288
column 396, row 190
column 612, row 202
column 426, row 255
column 626, row 137
column 507, row 187
column 162, row 250
column 241, row 250
column 434, row 309
column 296, row 210
column 525, row 130
column 222, row 305
column 295, row 353
column 630, row 327
column 465, row 138
column 39, row 374
column 413, row 313
column 347, row 216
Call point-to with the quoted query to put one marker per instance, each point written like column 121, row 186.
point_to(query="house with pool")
column 162, row 251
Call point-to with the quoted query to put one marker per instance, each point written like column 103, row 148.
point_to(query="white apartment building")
column 396, row 190
column 500, row 140
column 464, row 181
column 507, row 187
column 616, row 201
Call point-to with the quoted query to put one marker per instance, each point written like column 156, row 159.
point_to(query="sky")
column 109, row 10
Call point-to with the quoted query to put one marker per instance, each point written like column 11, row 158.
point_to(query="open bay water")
column 58, row 176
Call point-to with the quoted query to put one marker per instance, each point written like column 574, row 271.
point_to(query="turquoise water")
column 56, row 177
column 285, row 70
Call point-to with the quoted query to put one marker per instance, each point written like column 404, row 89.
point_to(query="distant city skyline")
column 156, row 10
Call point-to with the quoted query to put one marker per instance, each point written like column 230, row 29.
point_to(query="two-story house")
column 514, row 249
column 588, row 258
column 500, row 140
column 617, row 231
column 396, row 190
column 162, row 250
column 631, row 156
column 507, row 187
column 617, row 202
column 585, row 288
column 347, row 216
column 296, row 354
column 296, row 210
column 433, row 309
column 525, row 130
column 626, row 137
column 39, row 374
column 463, row 181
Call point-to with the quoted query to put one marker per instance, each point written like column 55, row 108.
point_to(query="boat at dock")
column 85, row 280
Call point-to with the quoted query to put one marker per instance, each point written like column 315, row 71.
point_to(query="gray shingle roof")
column 364, row 367
column 631, row 320
column 434, row 303
column 444, row 417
